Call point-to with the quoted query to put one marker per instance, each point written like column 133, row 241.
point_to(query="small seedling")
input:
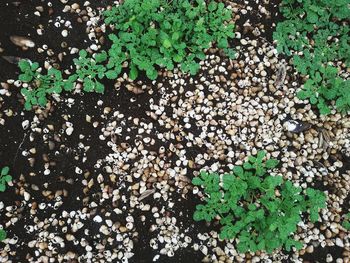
column 42, row 85
column 346, row 222
column 89, row 70
column 2, row 234
column 4, row 178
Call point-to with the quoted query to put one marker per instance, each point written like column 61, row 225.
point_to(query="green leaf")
column 5, row 170
column 88, row 85
column 25, row 77
column 82, row 53
column 34, row 66
column 152, row 74
column 68, row 86
column 177, row 58
column 167, row 43
column 27, row 105
column 24, row 65
column 247, row 166
column 271, row 163
column 212, row 6
column 133, row 72
column 42, row 101
column 175, row 36
column 197, row 181
column 111, row 74
column 312, row 17
column 2, row 187
column 3, row 234
column 7, row 178
column 260, row 155
column 100, row 57
column 238, row 170
column 99, row 88
column 197, row 216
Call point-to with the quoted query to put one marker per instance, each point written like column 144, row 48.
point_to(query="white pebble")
column 64, row 33
column 69, row 131
column 97, row 219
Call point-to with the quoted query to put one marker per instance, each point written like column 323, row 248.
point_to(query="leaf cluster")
column 4, row 178
column 316, row 34
column 89, row 70
column 147, row 34
column 346, row 222
column 151, row 33
column 260, row 210
column 42, row 85
column 3, row 234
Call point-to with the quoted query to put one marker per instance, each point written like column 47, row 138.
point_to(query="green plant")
column 2, row 234
column 42, row 85
column 4, row 178
column 316, row 34
column 146, row 34
column 259, row 209
column 152, row 33
column 89, row 70
column 346, row 222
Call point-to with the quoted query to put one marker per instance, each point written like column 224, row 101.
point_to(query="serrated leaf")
column 167, row 43
column 197, row 181
column 271, row 163
column 82, row 53
column 100, row 57
column 24, row 65
column 111, row 74
column 133, row 72
column 99, row 87
column 25, row 77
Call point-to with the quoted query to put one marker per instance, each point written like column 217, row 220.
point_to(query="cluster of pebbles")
column 141, row 182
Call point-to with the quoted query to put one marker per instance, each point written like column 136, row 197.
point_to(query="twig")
column 19, row 147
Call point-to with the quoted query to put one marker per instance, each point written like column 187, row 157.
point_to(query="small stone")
column 22, row 41
column 69, row 131
column 94, row 47
column 310, row 249
column 64, row 33
column 25, row 124
column 222, row 69
column 26, row 196
column 97, row 219
column 339, row 242
column 244, row 42
column 329, row 258
column 75, row 6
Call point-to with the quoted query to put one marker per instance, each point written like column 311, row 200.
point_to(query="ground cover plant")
column 148, row 35
column 346, row 222
column 164, row 33
column 4, row 179
column 259, row 209
column 316, row 34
